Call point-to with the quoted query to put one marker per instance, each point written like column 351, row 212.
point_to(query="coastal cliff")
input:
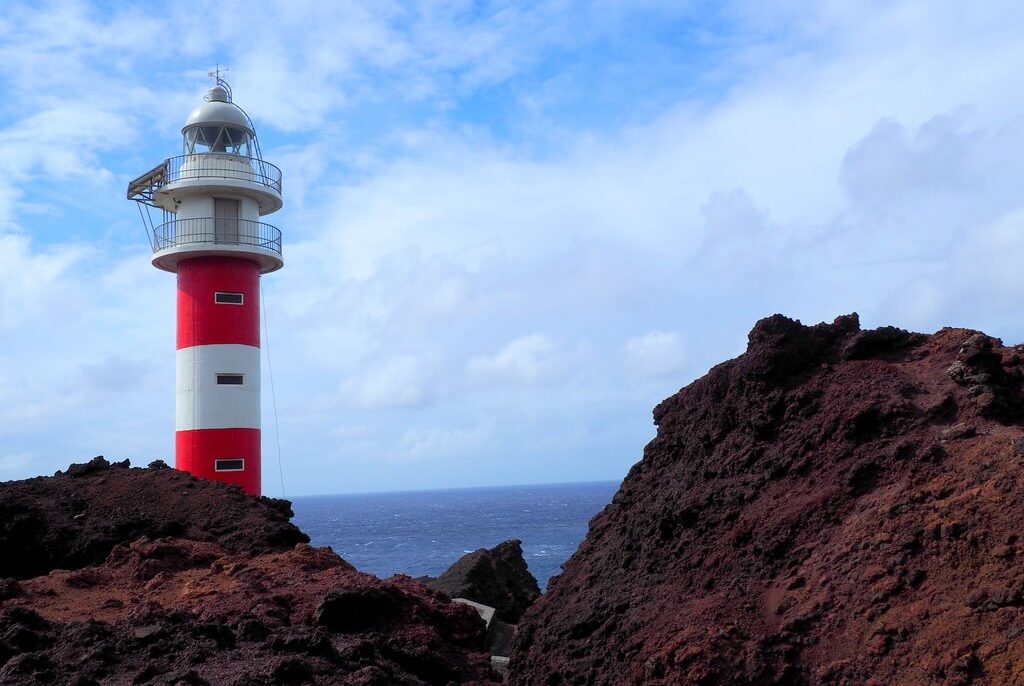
column 112, row 575
column 835, row 506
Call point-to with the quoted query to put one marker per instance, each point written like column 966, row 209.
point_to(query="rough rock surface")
column 75, row 518
column 835, row 506
column 205, row 606
column 497, row 577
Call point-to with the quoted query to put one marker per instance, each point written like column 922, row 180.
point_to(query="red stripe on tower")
column 210, row 454
column 217, row 191
column 218, row 302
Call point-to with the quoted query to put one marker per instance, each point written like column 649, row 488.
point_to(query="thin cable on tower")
column 273, row 393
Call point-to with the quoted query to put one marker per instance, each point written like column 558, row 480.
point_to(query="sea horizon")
column 423, row 532
column 453, row 488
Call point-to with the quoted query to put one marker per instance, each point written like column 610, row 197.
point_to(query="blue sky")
column 510, row 228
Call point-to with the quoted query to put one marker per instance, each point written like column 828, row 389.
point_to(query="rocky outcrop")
column 234, row 596
column 75, row 518
column 835, row 506
column 497, row 577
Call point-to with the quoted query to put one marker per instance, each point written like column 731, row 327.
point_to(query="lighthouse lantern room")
column 211, row 198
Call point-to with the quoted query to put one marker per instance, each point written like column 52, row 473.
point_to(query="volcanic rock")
column 497, row 577
column 835, row 506
column 75, row 518
column 233, row 596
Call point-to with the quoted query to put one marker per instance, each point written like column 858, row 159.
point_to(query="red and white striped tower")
column 212, row 198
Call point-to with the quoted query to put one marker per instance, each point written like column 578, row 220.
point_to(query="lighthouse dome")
column 218, row 126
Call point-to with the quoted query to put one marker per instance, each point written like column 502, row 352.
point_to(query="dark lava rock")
column 234, row 597
column 9, row 588
column 497, row 577
column 347, row 610
column 75, row 518
column 835, row 506
column 96, row 465
column 182, row 647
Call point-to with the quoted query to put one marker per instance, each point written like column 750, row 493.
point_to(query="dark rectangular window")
column 230, row 379
column 233, row 465
column 228, row 298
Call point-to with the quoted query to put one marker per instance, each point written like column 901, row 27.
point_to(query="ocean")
column 421, row 533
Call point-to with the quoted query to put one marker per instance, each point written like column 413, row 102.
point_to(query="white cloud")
column 980, row 285
column 526, row 359
column 656, row 353
column 398, row 381
column 450, row 443
column 31, row 280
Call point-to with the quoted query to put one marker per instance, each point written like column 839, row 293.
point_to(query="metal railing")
column 216, row 231
column 213, row 165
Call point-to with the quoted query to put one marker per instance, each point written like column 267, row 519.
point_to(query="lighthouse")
column 211, row 199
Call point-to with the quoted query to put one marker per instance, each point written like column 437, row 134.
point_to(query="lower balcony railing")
column 216, row 231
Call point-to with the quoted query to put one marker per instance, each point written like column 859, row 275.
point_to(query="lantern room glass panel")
column 228, row 140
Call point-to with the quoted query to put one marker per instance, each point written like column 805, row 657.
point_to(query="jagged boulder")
column 498, row 577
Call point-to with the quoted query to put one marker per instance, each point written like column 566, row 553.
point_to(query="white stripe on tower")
column 203, row 403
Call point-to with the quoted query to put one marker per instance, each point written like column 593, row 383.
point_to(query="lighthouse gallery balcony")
column 225, row 236
column 199, row 171
column 222, row 166
column 216, row 231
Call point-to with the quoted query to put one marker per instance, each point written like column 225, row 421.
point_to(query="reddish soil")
column 835, row 506
column 215, row 607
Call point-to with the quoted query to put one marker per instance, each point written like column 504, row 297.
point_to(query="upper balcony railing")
column 207, row 165
column 213, row 231
column 223, row 166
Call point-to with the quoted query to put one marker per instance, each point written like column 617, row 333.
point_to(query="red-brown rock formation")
column 75, row 518
column 233, row 597
column 835, row 506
